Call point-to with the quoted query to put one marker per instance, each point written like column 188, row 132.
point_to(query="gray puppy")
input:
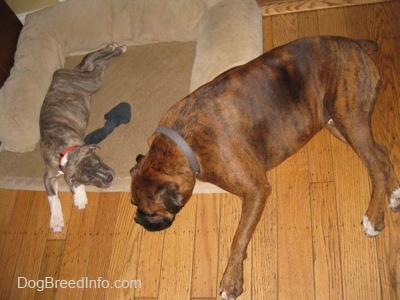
column 63, row 121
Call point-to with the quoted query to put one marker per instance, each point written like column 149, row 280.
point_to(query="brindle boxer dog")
column 63, row 120
column 250, row 119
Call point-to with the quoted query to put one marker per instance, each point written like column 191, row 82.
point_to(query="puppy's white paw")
column 56, row 215
column 395, row 200
column 113, row 45
column 56, row 223
column 80, row 198
column 369, row 229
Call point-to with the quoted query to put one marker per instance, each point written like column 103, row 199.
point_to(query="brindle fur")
column 250, row 119
column 63, row 121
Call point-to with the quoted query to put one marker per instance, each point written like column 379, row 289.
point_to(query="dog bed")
column 223, row 34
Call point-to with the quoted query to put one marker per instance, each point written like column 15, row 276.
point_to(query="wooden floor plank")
column 50, row 267
column 326, row 249
column 15, row 235
column 125, row 252
column 277, row 7
column 231, row 207
column 178, row 251
column 358, row 252
column 102, row 243
column 320, row 158
column 396, row 12
column 265, row 248
column 32, row 247
column 332, row 22
column 7, row 202
column 205, row 260
column 295, row 257
column 285, row 29
column 149, row 265
column 268, row 40
column 77, row 248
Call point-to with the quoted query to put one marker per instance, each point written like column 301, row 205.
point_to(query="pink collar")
column 63, row 153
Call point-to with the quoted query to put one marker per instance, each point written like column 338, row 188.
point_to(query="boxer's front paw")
column 232, row 283
column 80, row 198
column 395, row 201
column 371, row 229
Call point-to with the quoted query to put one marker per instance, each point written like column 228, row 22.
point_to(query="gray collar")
column 183, row 146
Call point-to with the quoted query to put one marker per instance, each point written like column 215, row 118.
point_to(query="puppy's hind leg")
column 87, row 62
column 91, row 69
column 90, row 61
column 102, row 60
column 56, row 214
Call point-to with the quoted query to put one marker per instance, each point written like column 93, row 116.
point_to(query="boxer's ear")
column 173, row 199
column 139, row 158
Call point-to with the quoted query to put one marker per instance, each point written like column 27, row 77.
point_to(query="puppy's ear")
column 89, row 148
column 173, row 199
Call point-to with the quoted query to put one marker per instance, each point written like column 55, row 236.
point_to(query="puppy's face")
column 85, row 167
column 156, row 195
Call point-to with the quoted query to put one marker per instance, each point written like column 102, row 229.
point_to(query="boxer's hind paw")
column 225, row 296
column 231, row 286
column 369, row 229
column 395, row 200
column 80, row 198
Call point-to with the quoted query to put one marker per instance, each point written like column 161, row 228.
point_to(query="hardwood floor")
column 277, row 7
column 308, row 245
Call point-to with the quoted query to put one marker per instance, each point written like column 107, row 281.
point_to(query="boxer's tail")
column 368, row 46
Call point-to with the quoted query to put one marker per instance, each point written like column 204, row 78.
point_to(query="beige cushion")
column 227, row 32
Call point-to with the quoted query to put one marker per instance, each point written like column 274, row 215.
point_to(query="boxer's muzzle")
column 154, row 221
